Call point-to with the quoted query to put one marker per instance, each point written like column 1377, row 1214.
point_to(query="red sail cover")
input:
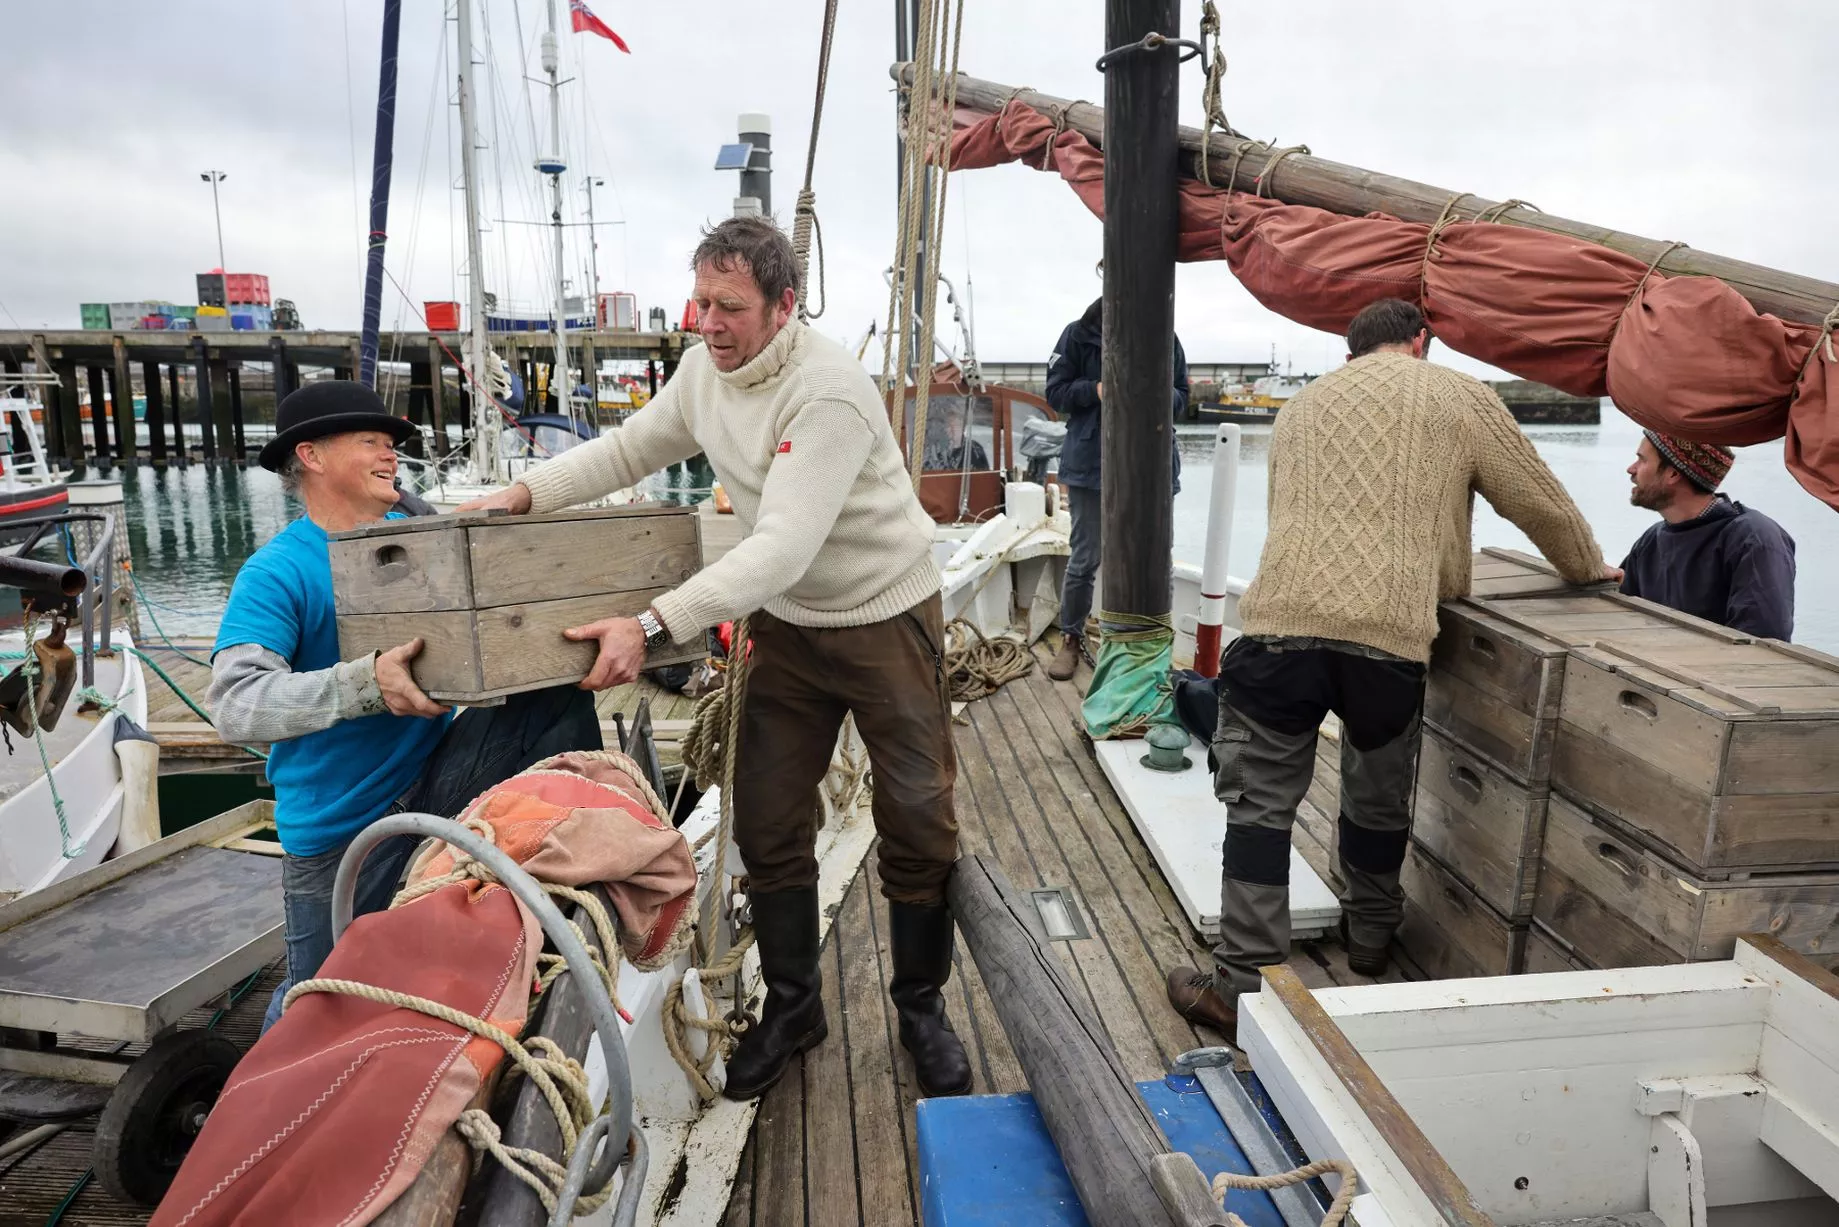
column 1684, row 355
column 333, row 1113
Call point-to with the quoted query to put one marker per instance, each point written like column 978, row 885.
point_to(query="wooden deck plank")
column 779, row 1155
column 997, row 1069
column 906, row 1080
column 830, row 1136
column 1113, row 922
column 740, row 1201
column 883, row 1176
column 1032, row 785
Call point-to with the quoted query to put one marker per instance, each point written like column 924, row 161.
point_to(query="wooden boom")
column 1339, row 188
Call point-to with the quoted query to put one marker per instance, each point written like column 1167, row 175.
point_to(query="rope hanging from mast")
column 805, row 226
column 928, row 105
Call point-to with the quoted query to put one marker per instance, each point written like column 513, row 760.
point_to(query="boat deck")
column 834, row 1142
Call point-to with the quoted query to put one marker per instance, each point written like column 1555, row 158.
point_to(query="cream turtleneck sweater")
column 801, row 441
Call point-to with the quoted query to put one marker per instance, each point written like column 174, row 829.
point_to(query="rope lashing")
column 1448, row 217
column 1047, row 154
column 1002, row 108
column 1653, row 267
column 804, row 217
column 1823, row 344
column 1337, row 1210
column 1494, row 213
column 1268, row 175
column 1238, row 155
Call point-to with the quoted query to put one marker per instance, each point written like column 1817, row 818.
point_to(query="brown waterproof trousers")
column 801, row 683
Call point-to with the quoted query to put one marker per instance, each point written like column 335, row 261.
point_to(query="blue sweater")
column 1730, row 565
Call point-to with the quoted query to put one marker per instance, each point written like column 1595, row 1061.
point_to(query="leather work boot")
column 921, row 935
column 1363, row 959
column 1195, row 998
column 792, row 1020
column 1066, row 661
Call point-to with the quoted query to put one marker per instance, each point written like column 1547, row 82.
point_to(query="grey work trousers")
column 1085, row 546
column 1273, row 697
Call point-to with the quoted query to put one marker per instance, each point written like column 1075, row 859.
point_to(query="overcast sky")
column 1705, row 122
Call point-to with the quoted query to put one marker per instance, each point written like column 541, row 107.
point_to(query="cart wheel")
column 156, row 1112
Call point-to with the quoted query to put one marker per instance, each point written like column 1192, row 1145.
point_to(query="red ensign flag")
column 582, row 18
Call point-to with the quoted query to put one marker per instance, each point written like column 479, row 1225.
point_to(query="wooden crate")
column 491, row 595
column 1544, row 952
column 1448, row 929
column 1496, row 572
column 1616, row 903
column 1481, row 823
column 1494, row 685
column 1722, row 752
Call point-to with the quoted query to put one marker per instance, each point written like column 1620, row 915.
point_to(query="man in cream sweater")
column 837, row 571
column 1373, row 472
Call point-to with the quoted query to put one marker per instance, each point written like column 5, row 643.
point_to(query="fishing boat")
column 29, row 486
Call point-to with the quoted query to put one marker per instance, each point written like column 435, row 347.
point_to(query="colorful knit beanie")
column 1704, row 464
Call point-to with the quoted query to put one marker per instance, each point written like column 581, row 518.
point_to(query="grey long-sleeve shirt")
column 256, row 699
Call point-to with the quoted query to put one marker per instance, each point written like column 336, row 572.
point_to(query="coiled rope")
column 978, row 666
column 1337, row 1210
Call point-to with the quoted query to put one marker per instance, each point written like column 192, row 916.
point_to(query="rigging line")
column 494, row 99
column 412, row 240
column 351, row 130
column 453, row 255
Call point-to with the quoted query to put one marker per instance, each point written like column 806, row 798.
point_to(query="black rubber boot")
column 792, row 1020
column 922, row 940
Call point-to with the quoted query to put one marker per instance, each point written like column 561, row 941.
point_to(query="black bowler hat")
column 329, row 407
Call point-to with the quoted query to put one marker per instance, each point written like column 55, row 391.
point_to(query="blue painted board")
column 988, row 1160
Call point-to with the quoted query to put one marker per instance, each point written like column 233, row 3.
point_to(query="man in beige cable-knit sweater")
column 1373, row 471
column 838, row 563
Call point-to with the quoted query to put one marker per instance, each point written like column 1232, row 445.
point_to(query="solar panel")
column 734, row 157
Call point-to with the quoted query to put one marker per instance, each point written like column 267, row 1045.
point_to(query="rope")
column 1494, row 213
column 1652, row 268
column 30, row 671
column 1210, row 92
column 804, row 217
column 188, row 700
column 935, row 243
column 1060, row 113
column 1268, row 175
column 1448, row 217
column 1337, row 1210
column 980, row 666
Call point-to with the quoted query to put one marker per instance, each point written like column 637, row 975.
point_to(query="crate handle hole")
column 1466, row 781
column 1455, row 897
column 1640, row 704
column 1483, row 646
column 393, row 561
column 1615, row 856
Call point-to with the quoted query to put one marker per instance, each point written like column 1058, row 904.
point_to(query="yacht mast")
column 475, row 377
column 552, row 165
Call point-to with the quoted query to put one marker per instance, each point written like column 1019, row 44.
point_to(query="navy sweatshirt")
column 1730, row 565
column 1073, row 374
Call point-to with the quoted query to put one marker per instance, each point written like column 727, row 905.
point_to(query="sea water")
column 192, row 527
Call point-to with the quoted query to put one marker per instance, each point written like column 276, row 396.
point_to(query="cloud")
column 1706, row 125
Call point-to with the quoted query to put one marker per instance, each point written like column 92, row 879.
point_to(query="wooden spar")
column 1339, row 188
column 1105, row 1134
column 1141, row 203
column 503, row 1199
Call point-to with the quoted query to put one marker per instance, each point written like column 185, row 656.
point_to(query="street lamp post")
column 214, row 177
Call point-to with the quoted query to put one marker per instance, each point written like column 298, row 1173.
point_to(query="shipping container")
column 95, row 315
column 442, row 316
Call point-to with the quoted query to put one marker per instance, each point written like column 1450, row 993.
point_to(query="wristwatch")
column 656, row 636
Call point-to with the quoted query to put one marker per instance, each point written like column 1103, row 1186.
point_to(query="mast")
column 382, row 157
column 1139, row 327
column 474, row 377
column 553, row 166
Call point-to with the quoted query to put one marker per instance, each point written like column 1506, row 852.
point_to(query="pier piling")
column 98, row 417
column 126, row 442
column 236, row 449
column 156, row 415
column 201, row 368
column 178, row 418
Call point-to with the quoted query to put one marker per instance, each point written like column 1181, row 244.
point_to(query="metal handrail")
column 567, row 939
column 99, row 561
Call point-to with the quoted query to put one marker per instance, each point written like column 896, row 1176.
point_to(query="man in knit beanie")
column 1709, row 556
column 1373, row 473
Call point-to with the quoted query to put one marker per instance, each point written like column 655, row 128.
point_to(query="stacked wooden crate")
column 1606, row 782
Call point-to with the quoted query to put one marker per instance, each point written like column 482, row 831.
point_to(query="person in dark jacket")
column 1075, row 389
column 1709, row 556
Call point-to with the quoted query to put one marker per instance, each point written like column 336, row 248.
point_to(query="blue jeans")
column 1086, row 542
column 482, row 747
